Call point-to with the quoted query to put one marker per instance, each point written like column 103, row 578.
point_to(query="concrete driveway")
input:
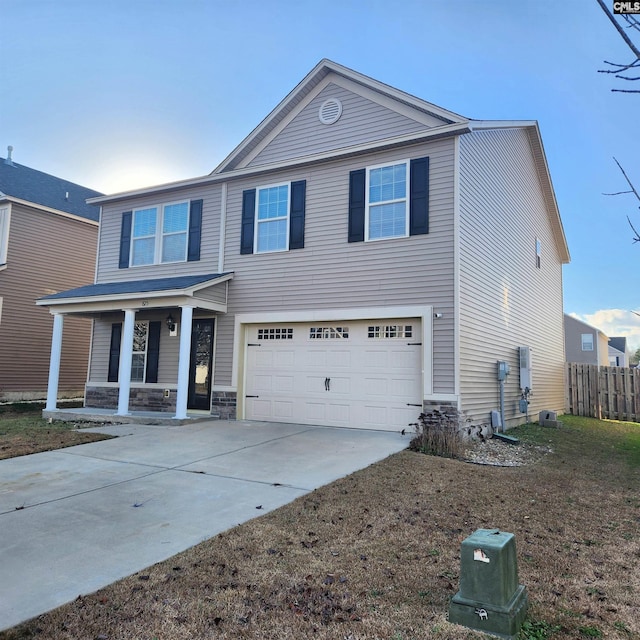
column 77, row 519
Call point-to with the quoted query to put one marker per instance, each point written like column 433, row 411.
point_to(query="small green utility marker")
column 490, row 598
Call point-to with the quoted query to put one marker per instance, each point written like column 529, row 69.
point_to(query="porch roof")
column 152, row 293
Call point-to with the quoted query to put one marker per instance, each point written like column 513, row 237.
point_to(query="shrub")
column 438, row 434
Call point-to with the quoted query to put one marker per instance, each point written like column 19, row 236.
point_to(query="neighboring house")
column 48, row 239
column 619, row 352
column 584, row 343
column 361, row 256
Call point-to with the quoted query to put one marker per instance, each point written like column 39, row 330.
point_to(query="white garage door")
column 365, row 374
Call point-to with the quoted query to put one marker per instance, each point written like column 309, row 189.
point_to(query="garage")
column 365, row 373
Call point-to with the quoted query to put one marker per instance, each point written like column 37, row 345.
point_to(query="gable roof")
column 236, row 164
column 136, row 287
column 307, row 86
column 619, row 343
column 33, row 186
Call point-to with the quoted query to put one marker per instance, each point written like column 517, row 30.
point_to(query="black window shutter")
column 114, row 352
column 296, row 214
column 357, row 180
column 125, row 240
column 419, row 203
column 153, row 351
column 195, row 230
column 248, row 220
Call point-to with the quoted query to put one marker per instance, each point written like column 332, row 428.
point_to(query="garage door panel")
column 314, row 358
column 315, row 384
column 339, row 385
column 263, row 358
column 404, row 360
column 315, row 413
column 353, row 376
column 377, row 387
column 283, row 410
column 260, row 409
column 284, row 358
column 339, row 359
column 339, row 414
column 262, row 383
column 283, row 384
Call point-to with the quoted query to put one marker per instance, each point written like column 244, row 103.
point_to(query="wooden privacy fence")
column 603, row 392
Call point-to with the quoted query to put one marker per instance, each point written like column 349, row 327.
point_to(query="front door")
column 201, row 365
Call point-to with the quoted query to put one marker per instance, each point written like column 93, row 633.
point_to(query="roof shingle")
column 46, row 190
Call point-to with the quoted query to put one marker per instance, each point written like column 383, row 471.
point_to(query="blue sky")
column 117, row 95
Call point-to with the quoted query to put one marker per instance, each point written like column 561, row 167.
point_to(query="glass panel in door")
column 201, row 366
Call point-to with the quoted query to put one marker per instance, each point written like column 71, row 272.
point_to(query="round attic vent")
column 330, row 111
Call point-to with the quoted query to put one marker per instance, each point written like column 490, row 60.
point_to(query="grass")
column 376, row 554
column 23, row 431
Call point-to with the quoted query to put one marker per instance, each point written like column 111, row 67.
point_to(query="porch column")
column 54, row 362
column 126, row 355
column 183, row 363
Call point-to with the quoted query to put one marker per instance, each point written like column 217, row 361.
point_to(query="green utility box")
column 490, row 598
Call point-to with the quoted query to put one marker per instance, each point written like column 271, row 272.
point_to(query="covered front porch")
column 134, row 323
column 111, row 416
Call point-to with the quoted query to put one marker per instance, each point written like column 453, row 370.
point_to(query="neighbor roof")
column 31, row 185
column 619, row 343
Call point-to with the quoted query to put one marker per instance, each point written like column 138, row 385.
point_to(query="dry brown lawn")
column 376, row 554
column 23, row 432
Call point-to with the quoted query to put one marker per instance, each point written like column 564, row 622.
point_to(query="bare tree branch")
column 621, row 67
column 637, row 236
column 619, row 29
column 634, row 191
column 626, row 177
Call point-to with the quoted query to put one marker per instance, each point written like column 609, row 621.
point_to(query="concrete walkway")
column 77, row 519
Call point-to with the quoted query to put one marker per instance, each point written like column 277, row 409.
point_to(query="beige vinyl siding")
column 505, row 301
column 333, row 273
column 111, row 221
column 47, row 253
column 169, row 346
column 217, row 293
column 362, row 121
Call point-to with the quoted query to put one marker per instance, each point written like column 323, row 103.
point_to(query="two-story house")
column 48, row 240
column 361, row 255
column 584, row 343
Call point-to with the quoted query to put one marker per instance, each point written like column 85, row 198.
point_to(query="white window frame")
column 369, row 205
column 164, row 235
column 257, row 222
column 145, row 352
column 159, row 234
column 5, row 221
column 588, row 344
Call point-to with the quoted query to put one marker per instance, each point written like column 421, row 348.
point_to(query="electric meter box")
column 490, row 598
column 525, row 368
column 503, row 370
